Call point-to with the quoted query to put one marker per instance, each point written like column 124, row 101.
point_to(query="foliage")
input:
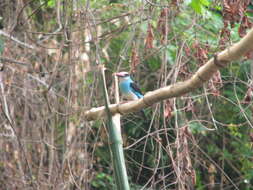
column 204, row 137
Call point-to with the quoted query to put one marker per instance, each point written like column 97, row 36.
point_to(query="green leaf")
column 197, row 127
column 199, row 5
column 227, row 155
column 102, row 181
column 1, row 46
column 195, row 4
column 51, row 3
column 204, row 2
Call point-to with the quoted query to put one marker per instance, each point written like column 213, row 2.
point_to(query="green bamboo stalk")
column 116, row 143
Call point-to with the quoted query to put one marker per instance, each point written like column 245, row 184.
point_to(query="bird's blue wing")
column 136, row 89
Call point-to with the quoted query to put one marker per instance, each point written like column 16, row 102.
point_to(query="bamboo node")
column 145, row 103
column 219, row 64
column 200, row 78
column 117, row 109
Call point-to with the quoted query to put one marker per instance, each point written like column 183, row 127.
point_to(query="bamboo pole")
column 116, row 143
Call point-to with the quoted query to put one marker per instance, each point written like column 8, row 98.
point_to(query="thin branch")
column 4, row 100
column 5, row 59
column 203, row 74
column 155, row 4
column 16, row 40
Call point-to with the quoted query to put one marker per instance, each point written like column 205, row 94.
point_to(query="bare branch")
column 5, row 59
column 203, row 74
column 16, row 40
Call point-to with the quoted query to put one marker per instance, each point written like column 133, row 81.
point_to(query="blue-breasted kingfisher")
column 129, row 89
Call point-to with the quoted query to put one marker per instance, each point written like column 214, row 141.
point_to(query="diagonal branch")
column 203, row 74
column 16, row 40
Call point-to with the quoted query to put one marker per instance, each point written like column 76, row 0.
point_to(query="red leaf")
column 187, row 51
column 248, row 96
column 200, row 53
column 168, row 110
column 245, row 24
column 251, row 136
column 234, row 12
column 162, row 26
column 189, row 106
column 150, row 37
column 135, row 59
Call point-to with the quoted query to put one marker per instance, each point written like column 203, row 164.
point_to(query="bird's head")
column 123, row 75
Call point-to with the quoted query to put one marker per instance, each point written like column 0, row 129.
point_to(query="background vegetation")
column 49, row 76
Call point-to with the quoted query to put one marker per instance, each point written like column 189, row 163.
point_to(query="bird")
column 128, row 88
